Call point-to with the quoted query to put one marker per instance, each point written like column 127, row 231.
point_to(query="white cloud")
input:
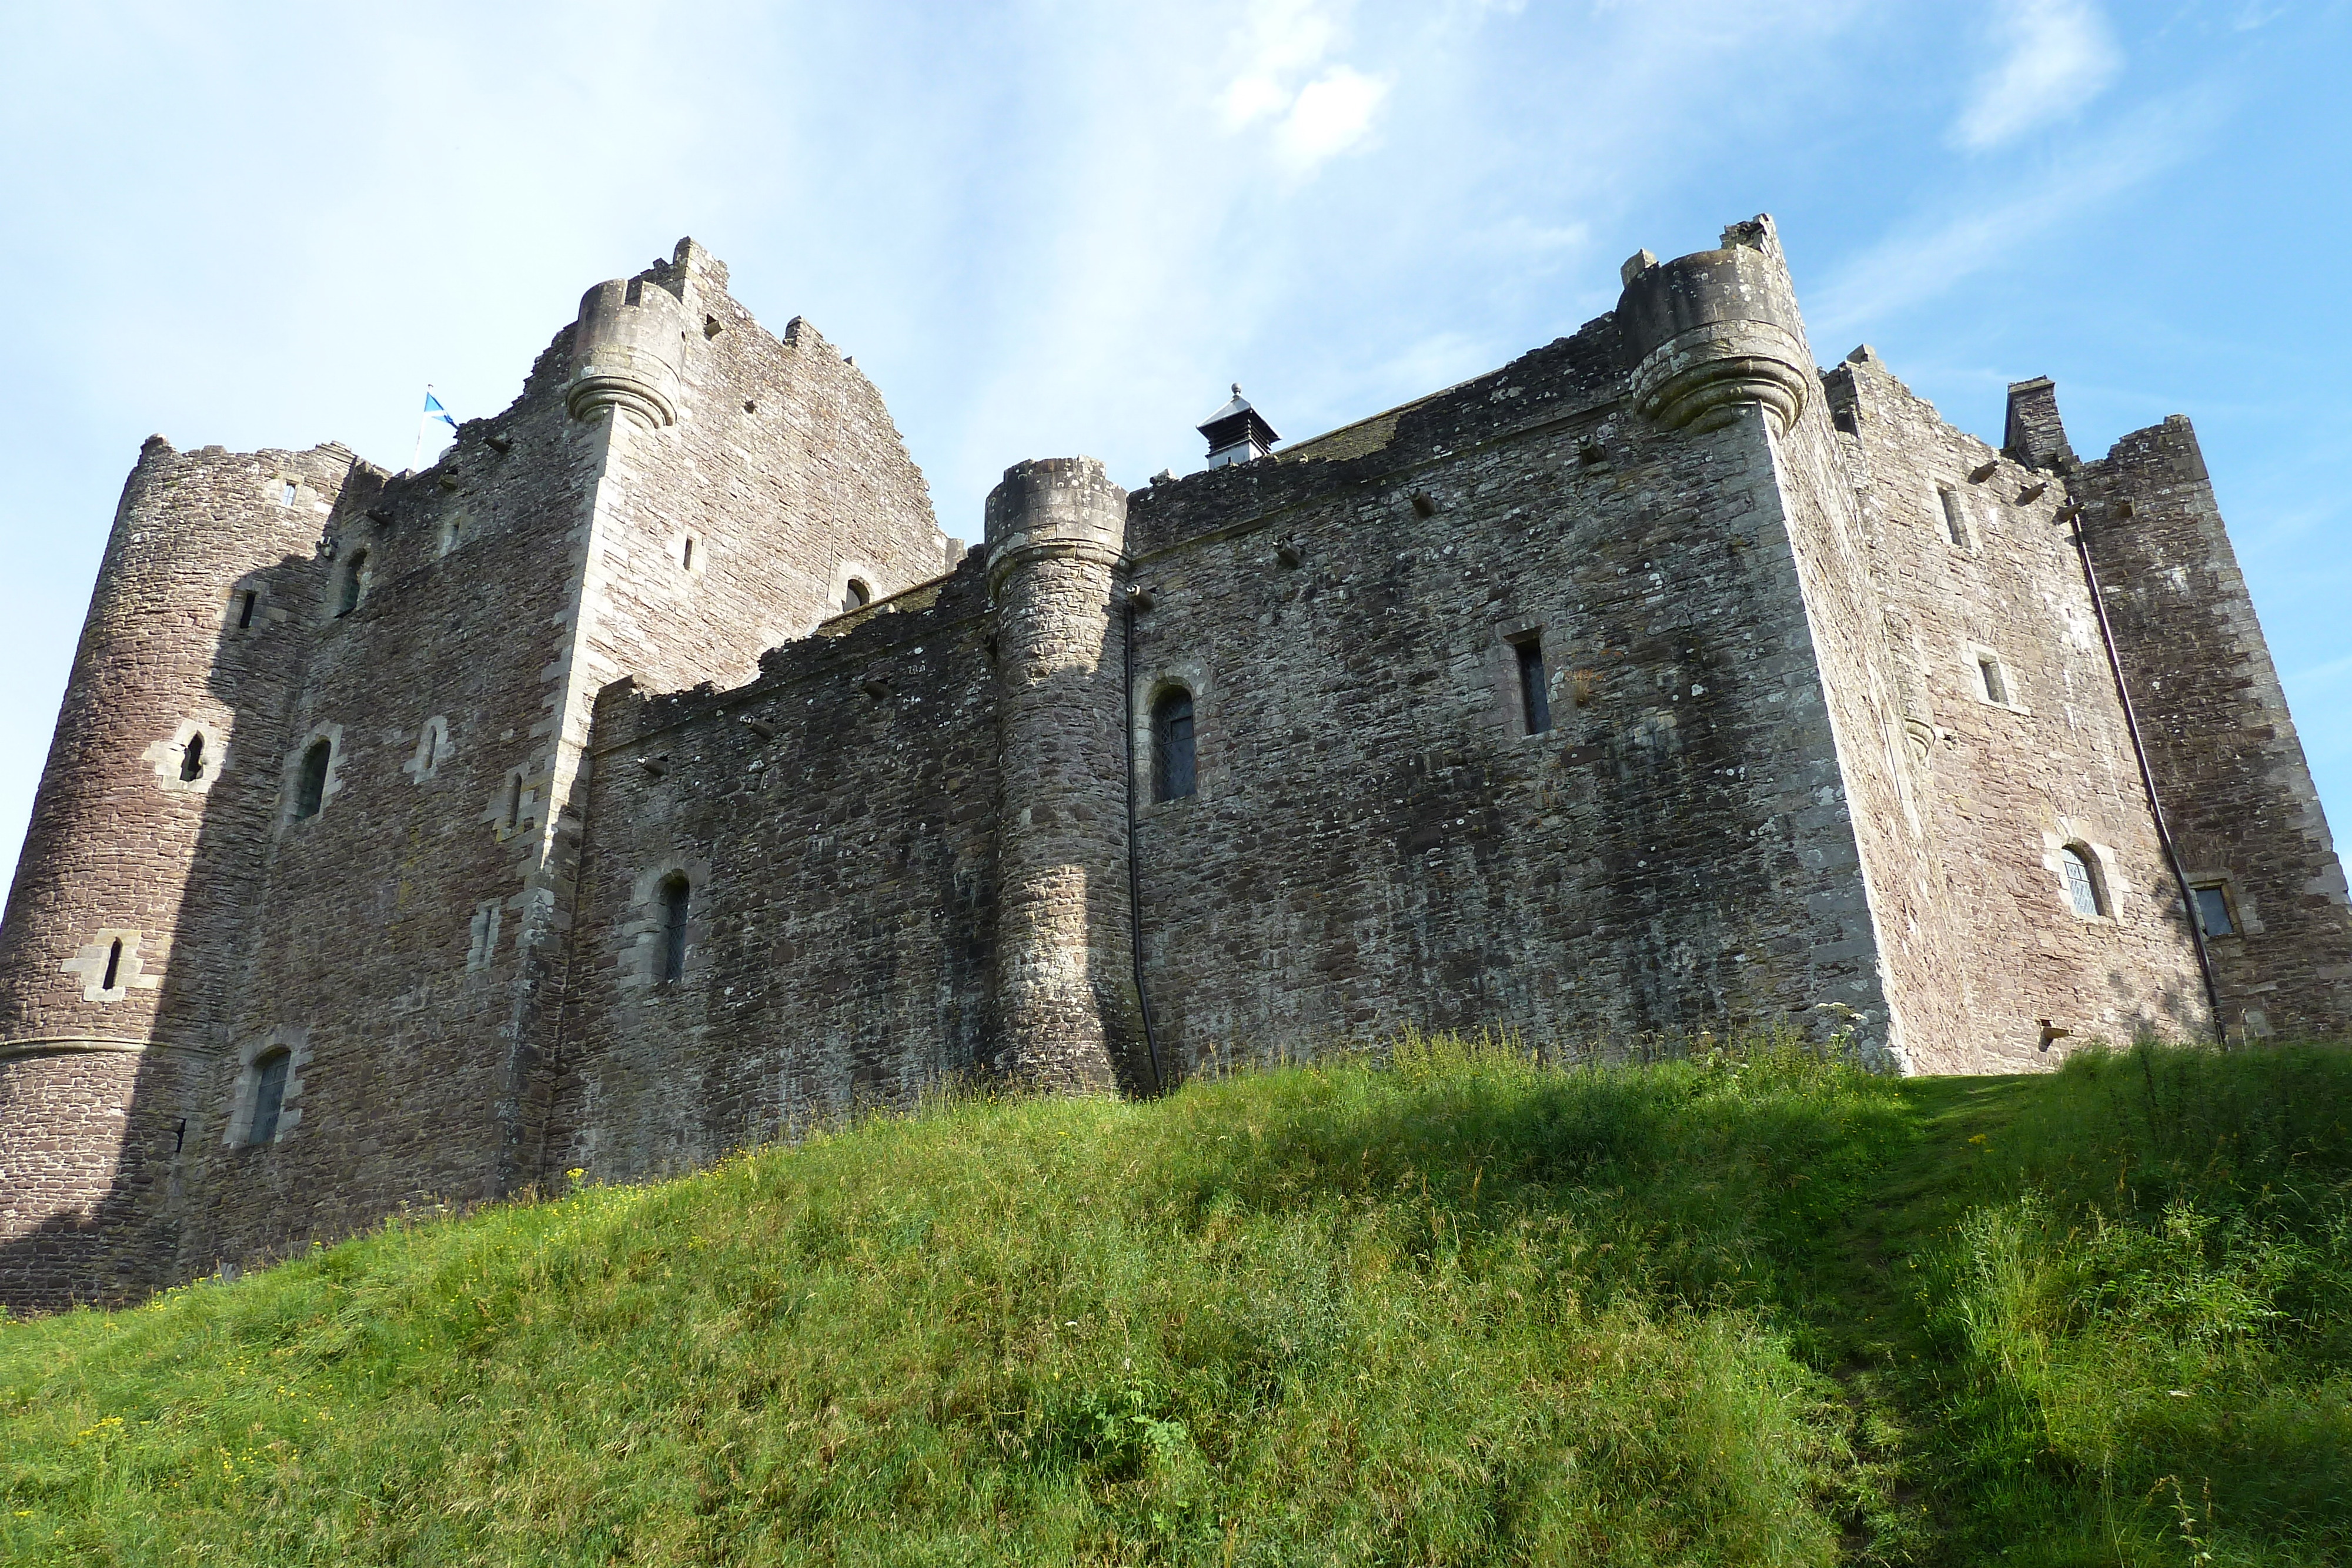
column 1331, row 114
column 1316, row 111
column 2056, row 56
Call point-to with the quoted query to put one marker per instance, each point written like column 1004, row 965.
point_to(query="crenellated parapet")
column 628, row 352
column 1714, row 332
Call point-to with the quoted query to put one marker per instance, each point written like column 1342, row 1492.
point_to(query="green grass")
column 1451, row 1308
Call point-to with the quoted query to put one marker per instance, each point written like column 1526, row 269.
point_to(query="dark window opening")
column 2082, row 890
column 514, row 801
column 311, row 791
column 350, row 598
column 1173, row 773
column 674, row 894
column 268, row 1094
column 2213, row 912
column 1956, row 523
column 857, row 596
column 191, row 759
column 245, row 608
column 1535, row 693
column 1996, row 688
column 113, row 965
column 1844, row 419
column 686, row 556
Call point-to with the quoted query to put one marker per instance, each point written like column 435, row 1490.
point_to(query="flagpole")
column 417, row 455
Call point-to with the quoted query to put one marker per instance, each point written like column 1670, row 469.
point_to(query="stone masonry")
column 650, row 777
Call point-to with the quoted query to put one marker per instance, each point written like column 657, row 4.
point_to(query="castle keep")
column 651, row 776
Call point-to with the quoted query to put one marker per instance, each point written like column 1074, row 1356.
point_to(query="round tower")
column 134, row 855
column 1714, row 332
column 1067, row 1010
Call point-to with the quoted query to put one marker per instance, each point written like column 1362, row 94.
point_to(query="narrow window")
column 246, row 602
column 1956, row 521
column 286, row 496
column 191, row 759
column 268, row 1094
column 2082, row 882
column 856, row 596
column 1996, row 687
column 674, row 894
column 311, row 790
column 113, row 965
column 686, row 556
column 514, row 801
column 1172, row 770
column 1535, row 692
column 352, row 584
column 2213, row 912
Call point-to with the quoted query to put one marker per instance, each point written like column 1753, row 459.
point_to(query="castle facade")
column 650, row 777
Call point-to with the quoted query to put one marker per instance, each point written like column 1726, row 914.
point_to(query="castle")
column 651, row 776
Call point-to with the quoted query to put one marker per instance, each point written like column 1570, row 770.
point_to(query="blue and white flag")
column 433, row 411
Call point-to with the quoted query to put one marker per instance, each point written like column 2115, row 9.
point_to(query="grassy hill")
column 1456, row 1309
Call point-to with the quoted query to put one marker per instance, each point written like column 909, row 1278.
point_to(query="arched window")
column 675, row 896
column 353, row 580
column 2083, row 889
column 113, row 965
column 1173, row 775
column 856, row 596
column 191, row 759
column 310, row 789
column 268, row 1094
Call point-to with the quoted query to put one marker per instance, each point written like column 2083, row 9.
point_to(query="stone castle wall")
column 591, row 675
column 2229, row 767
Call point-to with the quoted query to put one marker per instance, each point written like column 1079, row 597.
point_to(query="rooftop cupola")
column 1237, row 432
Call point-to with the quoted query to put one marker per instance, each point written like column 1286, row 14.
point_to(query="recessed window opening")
column 310, row 789
column 191, row 759
column 286, row 496
column 1956, row 521
column 856, row 596
column 244, row 604
column 429, row 747
column 353, row 576
column 268, row 1095
column 1174, row 775
column 113, row 965
column 676, row 893
column 686, row 555
column 514, row 801
column 1535, row 690
column 2213, row 912
column 1996, row 685
column 2083, row 889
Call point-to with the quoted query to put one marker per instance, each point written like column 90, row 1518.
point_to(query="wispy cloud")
column 2056, row 56
column 1927, row 255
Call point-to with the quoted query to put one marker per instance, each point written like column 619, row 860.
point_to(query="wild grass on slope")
column 1461, row 1310
column 1457, row 1310
column 2149, row 1314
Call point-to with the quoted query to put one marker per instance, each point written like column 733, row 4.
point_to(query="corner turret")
column 629, row 352
column 1711, row 333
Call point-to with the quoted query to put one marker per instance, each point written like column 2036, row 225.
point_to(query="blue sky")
column 1046, row 228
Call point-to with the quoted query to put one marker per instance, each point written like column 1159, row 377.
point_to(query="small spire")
column 1237, row 432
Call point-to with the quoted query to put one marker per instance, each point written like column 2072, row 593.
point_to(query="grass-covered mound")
column 1456, row 1310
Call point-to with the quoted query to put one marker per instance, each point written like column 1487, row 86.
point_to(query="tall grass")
column 1442, row 1304
column 2150, row 1312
